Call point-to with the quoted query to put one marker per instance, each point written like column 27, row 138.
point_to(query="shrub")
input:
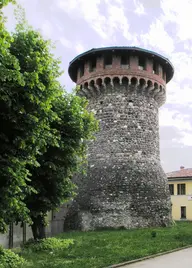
column 48, row 244
column 153, row 234
column 9, row 259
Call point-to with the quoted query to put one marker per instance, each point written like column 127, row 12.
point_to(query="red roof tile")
column 182, row 173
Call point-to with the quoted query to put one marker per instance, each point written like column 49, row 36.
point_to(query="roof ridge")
column 185, row 172
column 179, row 170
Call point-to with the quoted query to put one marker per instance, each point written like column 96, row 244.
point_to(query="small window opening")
column 155, row 68
column 108, row 61
column 171, row 189
column 142, row 63
column 164, row 75
column 160, row 71
column 92, row 65
column 124, row 61
column 81, row 70
column 181, row 189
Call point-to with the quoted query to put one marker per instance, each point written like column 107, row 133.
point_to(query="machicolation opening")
column 133, row 81
column 116, row 81
column 86, row 85
column 92, row 83
column 149, row 83
column 107, row 81
column 125, row 81
column 142, row 82
column 99, row 82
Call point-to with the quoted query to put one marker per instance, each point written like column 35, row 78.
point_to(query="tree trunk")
column 41, row 229
column 38, row 228
column 34, row 229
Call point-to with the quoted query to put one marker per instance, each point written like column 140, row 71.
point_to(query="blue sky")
column 159, row 25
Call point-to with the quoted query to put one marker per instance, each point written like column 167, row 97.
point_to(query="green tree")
column 28, row 86
column 61, row 125
column 12, row 171
column 3, row 3
column 52, row 179
column 44, row 130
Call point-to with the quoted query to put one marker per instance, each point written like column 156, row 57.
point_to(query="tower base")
column 131, row 194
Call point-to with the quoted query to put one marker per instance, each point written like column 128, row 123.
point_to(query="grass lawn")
column 104, row 248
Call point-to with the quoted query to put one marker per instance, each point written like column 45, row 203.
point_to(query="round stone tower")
column 125, row 185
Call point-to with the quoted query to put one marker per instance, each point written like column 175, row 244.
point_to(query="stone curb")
column 147, row 257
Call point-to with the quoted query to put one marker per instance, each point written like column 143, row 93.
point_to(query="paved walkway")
column 178, row 259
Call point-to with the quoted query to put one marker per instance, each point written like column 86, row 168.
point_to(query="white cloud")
column 65, row 42
column 179, row 95
column 150, row 3
column 87, row 10
column 175, row 119
column 179, row 121
column 59, row 27
column 186, row 138
column 139, row 8
column 47, row 29
column 182, row 62
column 106, row 25
column 79, row 48
column 117, row 19
column 178, row 12
column 68, row 5
column 158, row 38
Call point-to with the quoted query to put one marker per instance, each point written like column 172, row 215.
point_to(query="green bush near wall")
column 9, row 259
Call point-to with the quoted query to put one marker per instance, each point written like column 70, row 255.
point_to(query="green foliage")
column 57, row 165
column 43, row 129
column 9, row 259
column 12, row 167
column 153, row 234
column 52, row 179
column 28, row 85
column 3, row 3
column 49, row 244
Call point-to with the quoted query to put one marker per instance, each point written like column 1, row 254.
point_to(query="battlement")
column 110, row 84
column 120, row 61
column 123, row 68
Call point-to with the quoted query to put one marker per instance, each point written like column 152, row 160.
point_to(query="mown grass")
column 103, row 248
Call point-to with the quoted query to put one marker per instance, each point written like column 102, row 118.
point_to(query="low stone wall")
column 18, row 234
column 15, row 236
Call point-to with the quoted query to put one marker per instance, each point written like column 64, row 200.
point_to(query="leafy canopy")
column 44, row 129
column 52, row 178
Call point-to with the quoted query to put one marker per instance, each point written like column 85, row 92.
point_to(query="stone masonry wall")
column 125, row 185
